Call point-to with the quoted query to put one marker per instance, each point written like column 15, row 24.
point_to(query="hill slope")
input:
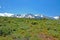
column 29, row 29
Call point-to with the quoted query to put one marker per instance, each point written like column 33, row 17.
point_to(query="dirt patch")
column 46, row 37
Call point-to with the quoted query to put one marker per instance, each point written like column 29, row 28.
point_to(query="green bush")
column 5, row 31
column 34, row 23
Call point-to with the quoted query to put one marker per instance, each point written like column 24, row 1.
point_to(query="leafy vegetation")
column 29, row 29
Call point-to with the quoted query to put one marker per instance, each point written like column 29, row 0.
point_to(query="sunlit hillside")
column 29, row 29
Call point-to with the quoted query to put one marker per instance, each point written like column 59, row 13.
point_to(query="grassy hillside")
column 29, row 29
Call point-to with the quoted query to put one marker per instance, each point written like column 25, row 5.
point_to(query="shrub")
column 34, row 23
column 5, row 31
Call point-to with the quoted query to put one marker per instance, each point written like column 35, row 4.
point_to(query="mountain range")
column 37, row 16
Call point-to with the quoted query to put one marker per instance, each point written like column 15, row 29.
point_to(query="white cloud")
column 1, row 14
column 6, row 14
column 56, row 17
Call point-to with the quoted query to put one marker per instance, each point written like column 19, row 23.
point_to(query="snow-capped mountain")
column 29, row 16
column 19, row 15
column 37, row 16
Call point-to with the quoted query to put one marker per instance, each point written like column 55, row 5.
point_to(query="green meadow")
column 29, row 29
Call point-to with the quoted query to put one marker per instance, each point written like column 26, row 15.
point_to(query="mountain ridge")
column 38, row 16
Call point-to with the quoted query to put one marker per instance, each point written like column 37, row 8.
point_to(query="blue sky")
column 45, row 7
